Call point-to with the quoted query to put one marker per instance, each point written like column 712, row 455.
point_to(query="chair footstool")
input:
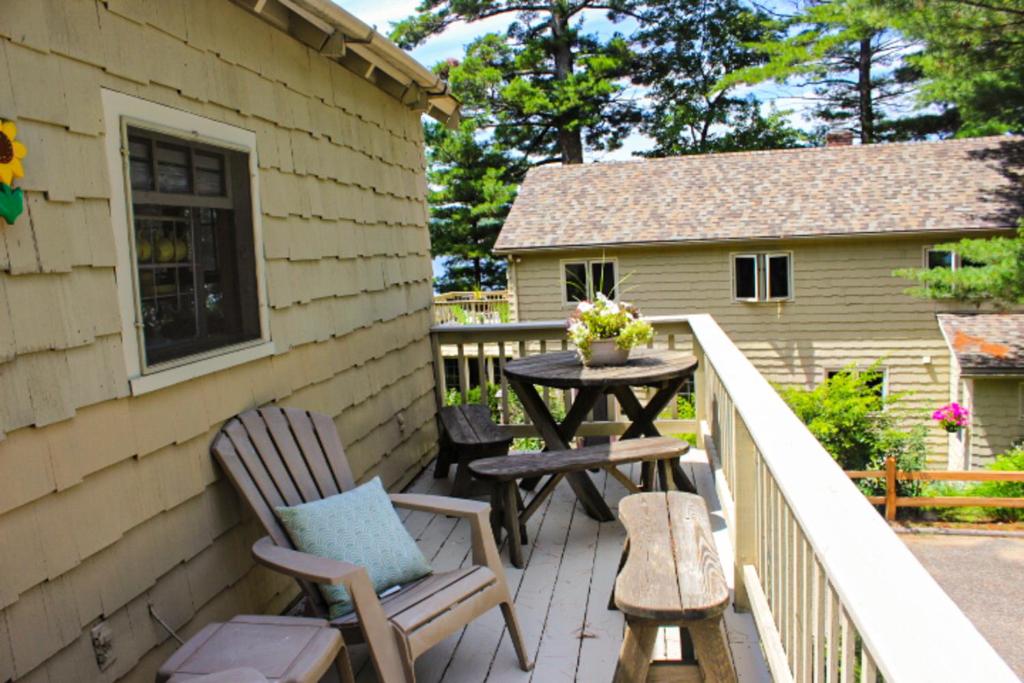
column 282, row 649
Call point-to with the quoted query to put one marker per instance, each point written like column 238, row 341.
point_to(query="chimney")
column 839, row 137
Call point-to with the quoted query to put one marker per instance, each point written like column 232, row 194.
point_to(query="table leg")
column 643, row 418
column 557, row 437
column 511, row 509
column 635, row 655
column 663, row 475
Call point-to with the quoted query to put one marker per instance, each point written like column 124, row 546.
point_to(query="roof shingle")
column 861, row 189
column 986, row 343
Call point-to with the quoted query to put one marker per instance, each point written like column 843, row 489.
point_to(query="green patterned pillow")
column 359, row 526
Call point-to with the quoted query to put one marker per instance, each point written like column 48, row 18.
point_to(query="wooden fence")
column 892, row 501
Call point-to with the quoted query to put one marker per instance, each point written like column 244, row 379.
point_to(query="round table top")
column 564, row 370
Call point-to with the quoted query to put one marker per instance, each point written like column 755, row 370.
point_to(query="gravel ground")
column 985, row 576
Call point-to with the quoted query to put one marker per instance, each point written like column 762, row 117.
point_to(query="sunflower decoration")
column 11, row 153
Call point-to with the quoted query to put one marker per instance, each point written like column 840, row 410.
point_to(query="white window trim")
column 589, row 270
column 757, row 277
column 762, row 271
column 119, row 110
column 929, row 249
column 768, row 274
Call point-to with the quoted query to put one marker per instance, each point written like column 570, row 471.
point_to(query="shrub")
column 1011, row 461
column 857, row 424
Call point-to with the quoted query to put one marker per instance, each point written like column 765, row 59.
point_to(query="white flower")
column 584, row 306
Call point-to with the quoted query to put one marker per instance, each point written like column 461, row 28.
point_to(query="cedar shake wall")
column 110, row 503
column 848, row 308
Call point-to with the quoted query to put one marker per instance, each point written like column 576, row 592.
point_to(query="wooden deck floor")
column 561, row 596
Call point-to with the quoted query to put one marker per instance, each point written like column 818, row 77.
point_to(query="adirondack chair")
column 285, row 456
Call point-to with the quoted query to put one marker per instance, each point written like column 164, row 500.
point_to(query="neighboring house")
column 225, row 206
column 791, row 251
column 987, row 360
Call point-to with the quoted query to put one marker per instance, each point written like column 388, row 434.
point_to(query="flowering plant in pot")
column 952, row 417
column 604, row 331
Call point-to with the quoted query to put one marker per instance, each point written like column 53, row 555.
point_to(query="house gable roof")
column 986, row 343
column 951, row 185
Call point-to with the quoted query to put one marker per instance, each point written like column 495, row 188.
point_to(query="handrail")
column 908, row 624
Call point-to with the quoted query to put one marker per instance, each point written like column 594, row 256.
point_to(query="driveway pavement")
column 985, row 576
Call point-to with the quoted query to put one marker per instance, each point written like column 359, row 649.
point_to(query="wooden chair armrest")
column 302, row 565
column 442, row 505
column 379, row 633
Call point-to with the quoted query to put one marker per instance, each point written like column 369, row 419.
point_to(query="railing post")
column 744, row 496
column 700, row 388
column 890, row 488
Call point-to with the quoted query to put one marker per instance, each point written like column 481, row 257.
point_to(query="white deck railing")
column 835, row 594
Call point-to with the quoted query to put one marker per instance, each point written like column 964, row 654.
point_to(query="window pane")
column 603, row 274
column 746, row 277
column 575, row 281
column 940, row 259
column 778, row 277
column 141, row 164
column 196, row 264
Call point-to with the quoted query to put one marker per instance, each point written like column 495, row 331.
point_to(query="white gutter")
column 365, row 41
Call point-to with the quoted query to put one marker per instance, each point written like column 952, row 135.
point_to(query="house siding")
column 110, row 503
column 996, row 421
column 847, row 308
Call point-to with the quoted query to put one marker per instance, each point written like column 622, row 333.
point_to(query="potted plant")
column 604, row 331
column 952, row 417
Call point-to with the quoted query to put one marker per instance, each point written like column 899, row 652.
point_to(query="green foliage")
column 973, row 57
column 542, row 86
column 854, row 62
column 1011, row 461
column 685, row 48
column 994, row 273
column 855, row 423
column 472, row 185
column 504, row 311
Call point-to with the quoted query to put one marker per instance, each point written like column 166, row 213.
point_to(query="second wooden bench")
column 503, row 473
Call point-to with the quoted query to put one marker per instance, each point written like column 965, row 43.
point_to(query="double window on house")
column 187, row 230
column 766, row 276
column 586, row 278
column 935, row 258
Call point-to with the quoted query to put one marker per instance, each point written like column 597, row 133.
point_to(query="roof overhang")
column 938, row 235
column 343, row 38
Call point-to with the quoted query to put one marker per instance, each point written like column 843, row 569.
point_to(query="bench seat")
column 508, row 511
column 469, row 434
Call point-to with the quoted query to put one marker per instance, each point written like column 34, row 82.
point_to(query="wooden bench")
column 469, row 434
column 507, row 509
column 671, row 576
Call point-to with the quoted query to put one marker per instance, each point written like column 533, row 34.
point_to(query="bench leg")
column 712, row 649
column 497, row 511
column 444, row 460
column 635, row 655
column 521, row 507
column 510, row 508
column 622, row 563
column 463, row 487
column 663, row 475
column 647, row 476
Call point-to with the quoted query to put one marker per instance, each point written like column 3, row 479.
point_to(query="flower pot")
column 605, row 352
column 952, row 429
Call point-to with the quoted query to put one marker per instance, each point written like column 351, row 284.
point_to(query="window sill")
column 162, row 379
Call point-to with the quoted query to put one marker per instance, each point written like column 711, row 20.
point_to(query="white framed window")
column 936, row 258
column 762, row 276
column 880, row 382
column 584, row 278
column 186, row 219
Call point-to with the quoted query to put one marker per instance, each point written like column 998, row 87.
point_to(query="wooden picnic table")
column 665, row 371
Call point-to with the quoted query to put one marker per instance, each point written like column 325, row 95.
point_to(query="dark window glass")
column 746, row 277
column 575, row 281
column 970, row 263
column 193, row 245
column 778, row 276
column 603, row 278
column 874, row 380
column 940, row 259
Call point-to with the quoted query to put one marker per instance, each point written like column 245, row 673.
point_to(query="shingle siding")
column 110, row 502
column 996, row 420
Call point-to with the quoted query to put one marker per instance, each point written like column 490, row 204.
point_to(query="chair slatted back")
column 283, row 456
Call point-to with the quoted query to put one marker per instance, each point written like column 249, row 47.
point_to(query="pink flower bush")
column 952, row 416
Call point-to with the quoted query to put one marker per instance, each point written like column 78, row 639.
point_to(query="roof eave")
column 342, row 37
